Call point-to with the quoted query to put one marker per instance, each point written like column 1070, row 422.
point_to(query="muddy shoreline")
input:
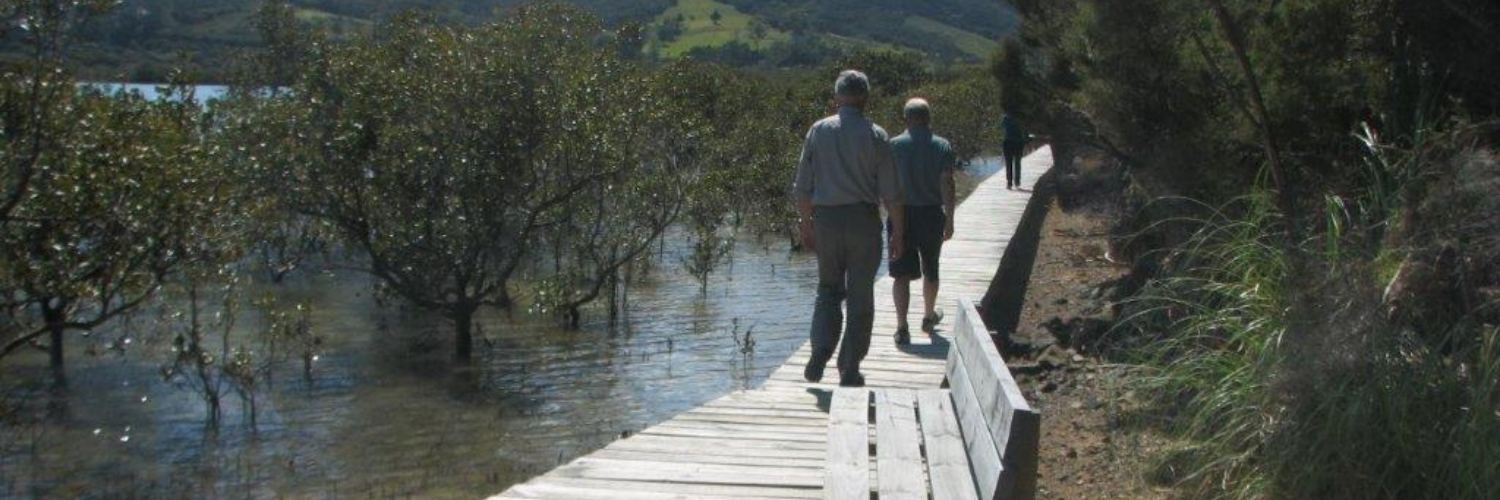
column 1091, row 447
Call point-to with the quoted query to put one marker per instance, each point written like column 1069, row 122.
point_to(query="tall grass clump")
column 1292, row 372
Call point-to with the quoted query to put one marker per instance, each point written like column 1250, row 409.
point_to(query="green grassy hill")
column 140, row 39
column 700, row 28
column 971, row 44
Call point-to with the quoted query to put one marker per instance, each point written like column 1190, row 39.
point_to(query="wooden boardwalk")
column 771, row 442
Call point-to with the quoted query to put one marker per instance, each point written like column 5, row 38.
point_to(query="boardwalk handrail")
column 1001, row 431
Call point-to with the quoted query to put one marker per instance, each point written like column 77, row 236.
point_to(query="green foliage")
column 966, row 111
column 966, row 103
column 140, row 40
column 1021, row 92
column 947, row 30
column 892, row 73
column 286, row 43
column 1436, row 68
column 1159, row 83
column 708, row 251
column 449, row 160
column 288, row 334
column 972, row 46
column 124, row 196
column 707, row 24
column 1358, row 362
column 1444, row 246
column 207, row 320
column 738, row 134
column 106, row 197
column 669, row 29
column 443, row 153
column 1274, row 392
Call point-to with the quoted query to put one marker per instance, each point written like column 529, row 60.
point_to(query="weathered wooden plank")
column 984, row 458
column 871, row 378
column 807, row 408
column 814, row 463
column 627, row 470
column 799, row 397
column 847, row 474
column 894, row 361
column 722, row 454
column 682, row 488
column 753, row 410
column 1001, row 395
column 947, row 461
column 898, row 446
column 1022, row 454
column 732, row 428
column 798, row 404
column 720, row 469
column 983, row 376
column 665, row 430
column 552, row 491
column 750, row 419
column 1014, row 426
column 714, row 445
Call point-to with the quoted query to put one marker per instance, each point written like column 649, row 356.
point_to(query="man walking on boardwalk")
column 924, row 163
column 1013, row 147
column 846, row 168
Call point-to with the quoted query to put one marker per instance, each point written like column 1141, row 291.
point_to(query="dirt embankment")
column 1087, row 449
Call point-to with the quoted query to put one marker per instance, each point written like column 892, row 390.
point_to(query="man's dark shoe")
column 814, row 371
column 852, row 380
column 903, row 336
column 930, row 322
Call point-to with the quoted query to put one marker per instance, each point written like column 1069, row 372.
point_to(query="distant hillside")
column 140, row 39
column 947, row 28
column 694, row 24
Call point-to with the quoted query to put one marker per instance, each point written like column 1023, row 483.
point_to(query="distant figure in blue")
column 1013, row 147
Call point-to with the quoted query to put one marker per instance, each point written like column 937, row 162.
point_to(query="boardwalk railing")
column 990, row 405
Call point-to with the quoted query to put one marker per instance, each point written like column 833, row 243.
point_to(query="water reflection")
column 387, row 416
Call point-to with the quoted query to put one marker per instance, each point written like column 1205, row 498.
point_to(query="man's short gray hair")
column 852, row 83
column 918, row 108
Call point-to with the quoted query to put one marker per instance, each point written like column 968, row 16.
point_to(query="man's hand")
column 897, row 243
column 809, row 240
column 948, row 230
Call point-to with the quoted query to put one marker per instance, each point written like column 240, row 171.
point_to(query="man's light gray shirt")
column 846, row 159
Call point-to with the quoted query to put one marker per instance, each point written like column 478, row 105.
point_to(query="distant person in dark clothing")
column 846, row 168
column 1013, row 147
column 924, row 163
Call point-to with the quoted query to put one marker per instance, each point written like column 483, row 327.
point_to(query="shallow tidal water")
column 386, row 414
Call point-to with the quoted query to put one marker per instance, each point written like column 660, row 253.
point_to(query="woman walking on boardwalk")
column 1013, row 147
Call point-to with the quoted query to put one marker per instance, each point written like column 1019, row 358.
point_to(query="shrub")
column 1276, row 390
